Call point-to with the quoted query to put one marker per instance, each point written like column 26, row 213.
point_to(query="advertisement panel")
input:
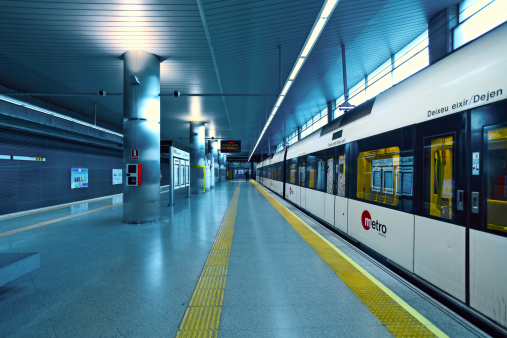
column 117, row 176
column 78, row 178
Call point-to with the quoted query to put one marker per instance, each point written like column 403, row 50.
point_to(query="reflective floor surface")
column 100, row 277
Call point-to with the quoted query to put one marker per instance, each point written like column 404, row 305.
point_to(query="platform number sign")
column 135, row 154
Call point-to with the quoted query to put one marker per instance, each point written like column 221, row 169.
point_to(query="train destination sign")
column 230, row 146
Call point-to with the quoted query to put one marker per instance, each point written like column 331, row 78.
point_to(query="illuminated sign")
column 230, row 146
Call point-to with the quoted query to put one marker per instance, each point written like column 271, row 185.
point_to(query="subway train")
column 418, row 175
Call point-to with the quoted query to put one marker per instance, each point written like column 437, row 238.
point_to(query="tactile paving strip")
column 202, row 316
column 400, row 320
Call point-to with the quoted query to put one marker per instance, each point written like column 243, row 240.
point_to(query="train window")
column 316, row 171
column 292, row 170
column 377, row 175
column 302, row 171
column 279, row 172
column 330, row 177
column 340, row 170
column 496, row 178
column 438, row 176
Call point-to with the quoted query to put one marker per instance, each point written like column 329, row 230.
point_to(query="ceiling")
column 65, row 49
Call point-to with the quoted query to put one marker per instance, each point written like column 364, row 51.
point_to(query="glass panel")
column 438, row 177
column 357, row 94
column 496, row 179
column 176, row 172
column 412, row 58
column 340, row 170
column 376, row 175
column 330, row 176
column 485, row 20
column 302, row 172
column 379, row 80
column 316, row 171
column 292, row 168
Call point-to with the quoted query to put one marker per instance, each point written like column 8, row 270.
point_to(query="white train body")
column 447, row 221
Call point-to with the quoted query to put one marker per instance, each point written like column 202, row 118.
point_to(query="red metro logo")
column 366, row 220
column 375, row 225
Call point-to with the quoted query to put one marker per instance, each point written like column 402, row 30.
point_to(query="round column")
column 197, row 161
column 141, row 135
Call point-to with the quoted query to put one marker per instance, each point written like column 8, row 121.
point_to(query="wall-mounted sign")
column 135, row 154
column 22, row 158
column 78, row 178
column 117, row 176
column 230, row 146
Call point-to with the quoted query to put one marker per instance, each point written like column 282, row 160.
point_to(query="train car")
column 419, row 175
column 271, row 171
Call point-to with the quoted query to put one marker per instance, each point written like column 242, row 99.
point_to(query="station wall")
column 26, row 185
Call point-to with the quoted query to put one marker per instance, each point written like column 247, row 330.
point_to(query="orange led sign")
column 230, row 146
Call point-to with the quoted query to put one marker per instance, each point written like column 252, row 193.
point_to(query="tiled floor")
column 100, row 277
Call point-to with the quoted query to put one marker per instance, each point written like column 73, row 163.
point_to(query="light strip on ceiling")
column 319, row 24
column 61, row 116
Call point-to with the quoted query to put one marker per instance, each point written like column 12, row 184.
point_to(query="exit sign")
column 230, row 146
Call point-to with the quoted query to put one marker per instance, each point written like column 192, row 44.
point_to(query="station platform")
column 235, row 262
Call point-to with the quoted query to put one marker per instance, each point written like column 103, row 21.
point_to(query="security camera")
column 176, row 93
column 102, row 93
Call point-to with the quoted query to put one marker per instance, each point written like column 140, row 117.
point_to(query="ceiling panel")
column 75, row 47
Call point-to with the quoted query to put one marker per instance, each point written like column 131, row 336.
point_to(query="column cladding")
column 197, row 160
column 141, row 132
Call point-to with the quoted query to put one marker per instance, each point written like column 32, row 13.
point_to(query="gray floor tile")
column 265, row 333
column 347, row 331
column 247, row 317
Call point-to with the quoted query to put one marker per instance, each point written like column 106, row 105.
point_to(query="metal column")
column 197, row 161
column 141, row 132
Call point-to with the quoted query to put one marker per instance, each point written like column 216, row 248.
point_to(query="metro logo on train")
column 368, row 223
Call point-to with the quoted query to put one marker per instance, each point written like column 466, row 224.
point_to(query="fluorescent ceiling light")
column 328, row 8
column 286, row 87
column 315, row 34
column 279, row 101
column 295, row 71
column 318, row 26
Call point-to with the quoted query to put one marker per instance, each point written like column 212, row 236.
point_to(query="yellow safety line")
column 395, row 314
column 38, row 225
column 202, row 316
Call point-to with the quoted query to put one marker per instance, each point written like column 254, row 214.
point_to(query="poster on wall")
column 117, row 176
column 78, row 178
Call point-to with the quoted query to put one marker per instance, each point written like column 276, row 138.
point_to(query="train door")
column 441, row 196
column 488, row 209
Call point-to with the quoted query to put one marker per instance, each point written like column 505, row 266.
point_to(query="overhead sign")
column 230, row 146
column 135, row 154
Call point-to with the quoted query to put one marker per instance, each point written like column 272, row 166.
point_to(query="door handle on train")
column 460, row 201
column 475, row 202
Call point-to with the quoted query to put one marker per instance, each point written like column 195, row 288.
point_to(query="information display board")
column 230, row 146
column 117, row 176
column 78, row 178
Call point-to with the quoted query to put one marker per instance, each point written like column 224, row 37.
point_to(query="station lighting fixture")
column 319, row 24
column 52, row 113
